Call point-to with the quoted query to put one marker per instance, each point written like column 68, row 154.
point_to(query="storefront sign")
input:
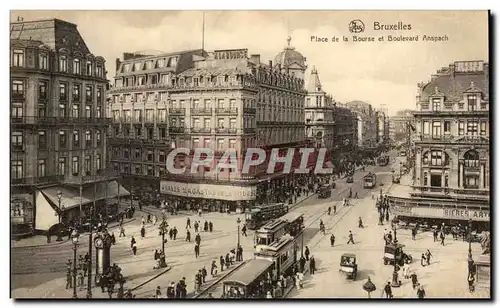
column 208, row 191
column 467, row 214
column 457, row 214
column 402, row 210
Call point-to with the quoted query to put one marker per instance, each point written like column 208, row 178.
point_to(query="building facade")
column 382, row 127
column 58, row 125
column 366, row 125
column 344, row 135
column 452, row 147
column 222, row 100
column 400, row 125
column 319, row 113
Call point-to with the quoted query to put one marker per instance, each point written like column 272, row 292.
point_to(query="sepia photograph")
column 258, row 154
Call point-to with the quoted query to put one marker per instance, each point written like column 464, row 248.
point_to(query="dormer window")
column 63, row 64
column 149, row 65
column 436, row 104
column 89, row 68
column 99, row 71
column 18, row 58
column 195, row 81
column 126, row 68
column 137, row 66
column 44, row 61
column 472, row 102
column 76, row 67
column 161, row 63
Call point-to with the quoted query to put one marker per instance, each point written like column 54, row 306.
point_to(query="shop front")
column 210, row 197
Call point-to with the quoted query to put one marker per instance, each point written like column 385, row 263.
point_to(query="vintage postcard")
column 250, row 154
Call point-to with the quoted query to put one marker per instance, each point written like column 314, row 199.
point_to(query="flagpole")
column 203, row 32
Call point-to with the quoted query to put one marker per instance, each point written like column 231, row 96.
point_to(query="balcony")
column 201, row 130
column 58, row 121
column 226, row 111
column 177, row 111
column 201, row 111
column 226, row 131
column 434, row 139
column 249, row 110
column 176, row 130
column 449, row 192
column 137, row 120
column 36, row 180
column 250, row 130
column 17, row 96
column 319, row 122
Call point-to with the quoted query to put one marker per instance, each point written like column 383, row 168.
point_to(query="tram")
column 370, row 180
column 245, row 282
column 261, row 214
column 383, row 160
column 291, row 223
column 283, row 254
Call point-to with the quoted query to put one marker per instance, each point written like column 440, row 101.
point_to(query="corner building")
column 452, row 149
column 58, row 126
column 221, row 100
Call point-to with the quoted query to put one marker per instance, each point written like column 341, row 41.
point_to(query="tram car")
column 261, row 214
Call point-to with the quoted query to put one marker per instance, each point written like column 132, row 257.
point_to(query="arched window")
column 471, row 158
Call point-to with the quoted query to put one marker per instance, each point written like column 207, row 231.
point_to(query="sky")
column 380, row 73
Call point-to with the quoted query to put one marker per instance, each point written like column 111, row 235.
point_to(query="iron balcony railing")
column 34, row 120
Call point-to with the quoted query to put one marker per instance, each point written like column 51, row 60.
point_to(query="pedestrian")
column 143, row 232
column 360, row 223
column 244, row 230
column 421, row 292
column 302, row 263
column 387, row 216
column 442, row 238
column 387, row 290
column 239, row 253
column 227, row 260
column 69, row 280
column 113, row 239
column 204, row 274
column 81, row 282
column 332, row 240
column 205, row 226
column 134, row 249
column 414, row 280
column 188, row 236
column 142, row 220
column 435, row 235
column 470, row 281
column 155, row 220
column 329, row 210
column 196, row 250
column 132, row 242
column 158, row 292
column 334, row 209
column 210, row 226
column 213, row 268
column 221, row 260
column 188, row 223
column 406, row 270
column 306, row 253
column 197, row 239
column 171, row 234
column 312, row 265
column 199, row 211
column 149, row 218
column 156, row 255
column 174, row 232
column 178, row 289
column 351, row 238
column 428, row 256
column 413, row 233
column 196, row 225
column 171, row 290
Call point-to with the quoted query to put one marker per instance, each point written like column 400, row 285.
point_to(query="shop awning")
column 105, row 190
column 70, row 196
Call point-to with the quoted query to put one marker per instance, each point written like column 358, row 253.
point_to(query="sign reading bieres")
column 208, row 191
column 466, row 214
column 458, row 214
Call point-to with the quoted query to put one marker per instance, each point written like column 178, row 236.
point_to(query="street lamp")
column 238, row 221
column 59, row 213
column 395, row 281
column 74, row 238
column 163, row 229
column 470, row 261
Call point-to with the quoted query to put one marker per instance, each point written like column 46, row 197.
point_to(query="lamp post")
column 163, row 230
column 470, row 261
column 238, row 221
column 59, row 213
column 89, row 281
column 395, row 281
column 74, row 238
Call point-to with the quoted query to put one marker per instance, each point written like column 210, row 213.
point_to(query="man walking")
column 332, row 240
column 442, row 238
column 351, row 238
column 388, row 290
column 244, row 230
column 312, row 265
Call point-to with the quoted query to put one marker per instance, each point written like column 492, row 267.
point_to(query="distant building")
column 400, row 125
column 58, row 126
column 367, row 125
column 452, row 149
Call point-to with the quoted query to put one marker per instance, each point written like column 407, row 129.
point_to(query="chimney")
column 255, row 59
column 270, row 63
column 118, row 62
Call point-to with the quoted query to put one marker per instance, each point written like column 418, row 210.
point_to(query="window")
column 206, row 123
column 426, row 179
column 150, row 156
column 436, row 158
column 63, row 93
column 42, row 140
column 138, row 169
column 447, row 127
column 62, row 138
column 98, row 162
column 98, row 112
column 161, row 171
column 88, row 138
column 425, row 158
column 126, row 115
column 137, row 153
column 471, row 182
column 426, row 128
column 149, row 115
column 471, row 159
column 88, row 164
column 436, row 104
column 206, row 143
column 63, row 64
column 89, row 93
column 220, row 144
column 436, row 129
column 76, row 92
column 161, row 156
column 18, row 89
column 126, row 131
column 125, row 153
column 62, row 110
column 150, row 170
column 89, row 68
column 98, row 137
column 61, row 166
column 42, row 90
column 75, row 165
column 17, row 111
column 99, row 94
column 41, row 168
column 196, row 142
column 461, row 128
column 138, row 115
column 138, row 131
column 17, row 169
column 483, row 128
column 76, row 139
column 232, row 123
column 18, row 58
column 75, row 111
column 162, row 115
column 44, row 61
column 196, row 123
column 207, row 104
column 99, row 71
column 472, row 128
column 150, row 134
column 17, row 140
column 232, row 143
column 42, row 110
column 220, row 103
column 76, row 67
column 471, row 102
column 232, row 103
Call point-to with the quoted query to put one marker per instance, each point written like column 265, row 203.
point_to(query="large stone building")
column 344, row 135
column 58, row 125
column 319, row 113
column 366, row 125
column 221, row 100
column 452, row 148
column 382, row 127
column 400, row 125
